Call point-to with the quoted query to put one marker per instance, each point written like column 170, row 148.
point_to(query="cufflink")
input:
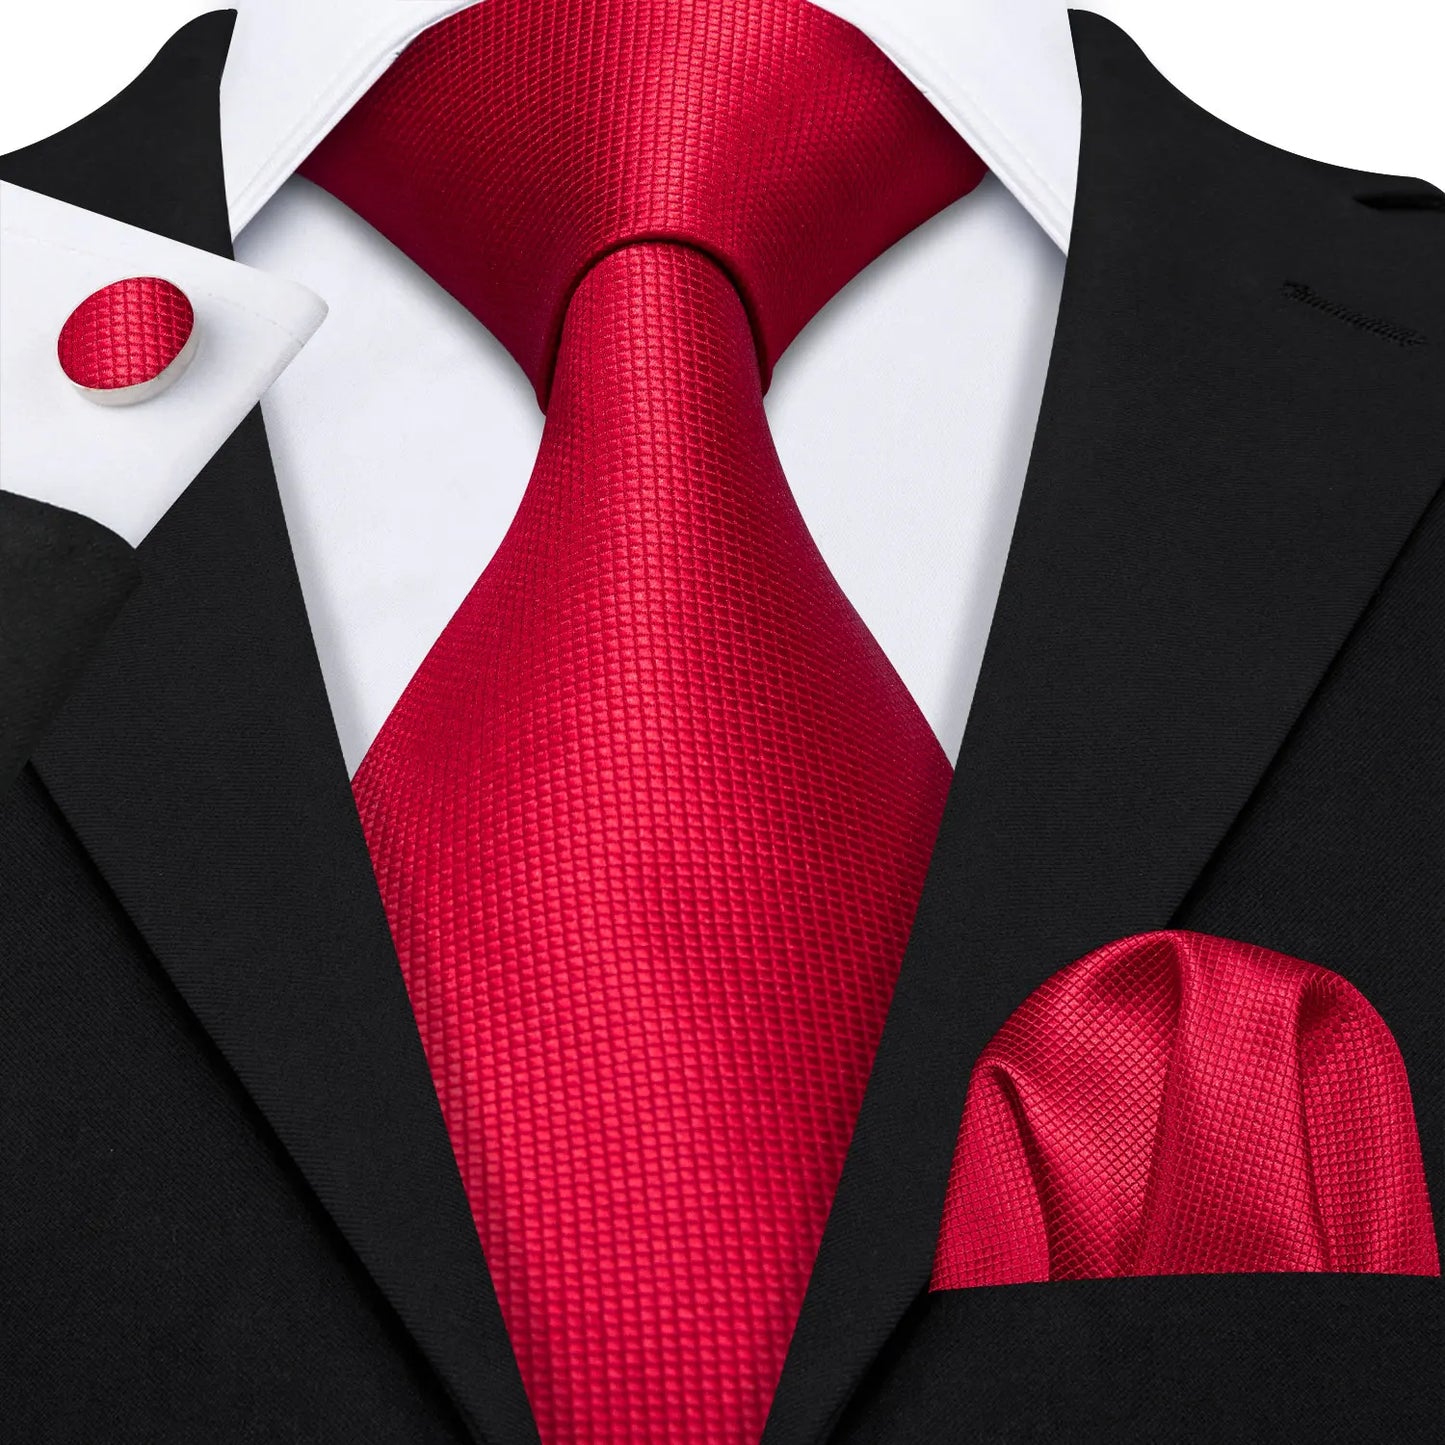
column 128, row 341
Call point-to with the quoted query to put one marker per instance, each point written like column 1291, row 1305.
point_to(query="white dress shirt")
column 403, row 435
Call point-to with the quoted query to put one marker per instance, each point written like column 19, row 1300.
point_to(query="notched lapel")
column 1243, row 422
column 1244, row 419
column 198, row 764
column 151, row 155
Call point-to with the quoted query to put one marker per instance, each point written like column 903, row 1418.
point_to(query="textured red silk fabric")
column 651, row 821
column 515, row 143
column 1180, row 1104
column 125, row 334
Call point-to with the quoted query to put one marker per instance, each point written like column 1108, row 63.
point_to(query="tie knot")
column 515, row 143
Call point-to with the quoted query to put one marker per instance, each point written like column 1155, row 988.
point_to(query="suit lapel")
column 1242, row 423
column 198, row 764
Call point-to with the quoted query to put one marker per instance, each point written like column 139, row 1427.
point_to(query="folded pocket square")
column 1175, row 1103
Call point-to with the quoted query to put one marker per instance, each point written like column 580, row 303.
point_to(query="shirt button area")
column 128, row 341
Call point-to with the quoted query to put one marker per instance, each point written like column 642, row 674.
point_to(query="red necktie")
column 652, row 818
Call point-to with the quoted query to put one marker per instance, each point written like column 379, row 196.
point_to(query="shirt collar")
column 1001, row 72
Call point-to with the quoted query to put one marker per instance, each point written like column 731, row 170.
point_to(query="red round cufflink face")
column 128, row 341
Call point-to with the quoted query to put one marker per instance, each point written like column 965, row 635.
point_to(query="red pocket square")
column 1179, row 1104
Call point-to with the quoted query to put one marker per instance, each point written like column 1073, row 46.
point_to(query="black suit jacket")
column 1211, row 699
